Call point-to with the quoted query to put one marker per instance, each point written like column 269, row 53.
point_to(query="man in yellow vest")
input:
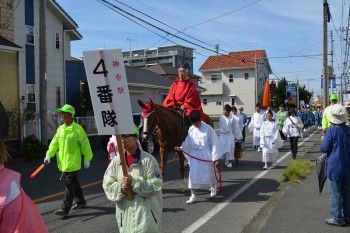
column 325, row 122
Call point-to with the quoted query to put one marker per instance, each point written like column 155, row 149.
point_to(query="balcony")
column 212, row 88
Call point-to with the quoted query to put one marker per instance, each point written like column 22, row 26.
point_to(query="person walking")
column 144, row 212
column 318, row 117
column 336, row 145
column 270, row 140
column 325, row 122
column 255, row 125
column 244, row 118
column 202, row 143
column 292, row 127
column 69, row 144
column 282, row 117
column 18, row 213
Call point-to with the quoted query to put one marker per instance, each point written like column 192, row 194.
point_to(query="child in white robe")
column 201, row 142
column 255, row 125
column 270, row 140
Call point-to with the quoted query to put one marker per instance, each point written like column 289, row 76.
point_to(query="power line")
column 209, row 20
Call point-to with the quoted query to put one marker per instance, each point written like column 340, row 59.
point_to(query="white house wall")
column 242, row 90
column 55, row 57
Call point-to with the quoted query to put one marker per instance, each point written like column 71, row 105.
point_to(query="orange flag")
column 266, row 98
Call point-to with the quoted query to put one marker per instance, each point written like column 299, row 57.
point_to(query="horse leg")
column 163, row 159
column 182, row 171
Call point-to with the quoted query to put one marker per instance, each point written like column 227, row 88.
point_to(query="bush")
column 34, row 148
column 297, row 170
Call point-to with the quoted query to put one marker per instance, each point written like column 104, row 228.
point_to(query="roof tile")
column 233, row 59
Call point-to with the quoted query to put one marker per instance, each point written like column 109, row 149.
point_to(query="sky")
column 290, row 31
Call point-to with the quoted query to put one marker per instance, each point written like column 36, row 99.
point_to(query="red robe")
column 184, row 93
column 21, row 214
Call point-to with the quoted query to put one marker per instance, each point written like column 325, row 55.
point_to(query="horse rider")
column 183, row 94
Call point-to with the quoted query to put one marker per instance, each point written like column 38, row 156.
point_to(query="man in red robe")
column 183, row 93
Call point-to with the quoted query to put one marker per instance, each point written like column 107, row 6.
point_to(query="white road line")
column 205, row 218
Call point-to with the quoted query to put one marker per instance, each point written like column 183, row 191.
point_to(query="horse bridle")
column 154, row 121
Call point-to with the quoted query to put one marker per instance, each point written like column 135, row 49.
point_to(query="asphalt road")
column 247, row 188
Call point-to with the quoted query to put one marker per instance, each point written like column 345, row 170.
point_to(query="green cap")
column 137, row 132
column 334, row 97
column 66, row 108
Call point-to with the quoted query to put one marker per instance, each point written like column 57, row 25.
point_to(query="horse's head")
column 148, row 119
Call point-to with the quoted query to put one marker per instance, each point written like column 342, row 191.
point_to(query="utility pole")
column 42, row 73
column 331, row 70
column 325, row 54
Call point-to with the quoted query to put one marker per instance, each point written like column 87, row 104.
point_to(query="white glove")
column 86, row 164
column 47, row 159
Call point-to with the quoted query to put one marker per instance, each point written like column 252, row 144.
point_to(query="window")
column 29, row 34
column 246, row 75
column 218, row 102
column 215, row 78
column 232, row 101
column 57, row 40
column 205, row 102
column 58, row 97
column 30, row 93
column 230, row 78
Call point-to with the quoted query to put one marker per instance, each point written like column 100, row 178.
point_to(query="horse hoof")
column 181, row 190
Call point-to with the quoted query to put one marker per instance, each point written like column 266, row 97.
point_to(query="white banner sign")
column 109, row 91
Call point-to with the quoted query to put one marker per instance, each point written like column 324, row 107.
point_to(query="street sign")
column 109, row 91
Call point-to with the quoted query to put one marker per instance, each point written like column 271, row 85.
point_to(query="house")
column 237, row 78
column 171, row 55
column 19, row 62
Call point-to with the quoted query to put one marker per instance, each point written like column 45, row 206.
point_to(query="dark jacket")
column 336, row 145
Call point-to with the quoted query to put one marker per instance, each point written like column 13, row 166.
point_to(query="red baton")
column 37, row 171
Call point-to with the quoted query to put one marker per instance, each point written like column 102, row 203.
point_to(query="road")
column 247, row 187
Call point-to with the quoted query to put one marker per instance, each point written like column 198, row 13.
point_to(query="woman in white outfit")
column 292, row 127
column 270, row 140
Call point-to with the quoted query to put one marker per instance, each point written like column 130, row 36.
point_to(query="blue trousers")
column 340, row 199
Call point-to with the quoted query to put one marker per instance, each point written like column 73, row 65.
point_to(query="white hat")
column 337, row 114
column 347, row 104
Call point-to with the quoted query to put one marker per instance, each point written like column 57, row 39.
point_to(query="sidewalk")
column 297, row 207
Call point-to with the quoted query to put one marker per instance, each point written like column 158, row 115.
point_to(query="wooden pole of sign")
column 123, row 162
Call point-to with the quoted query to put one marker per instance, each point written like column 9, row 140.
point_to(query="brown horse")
column 172, row 130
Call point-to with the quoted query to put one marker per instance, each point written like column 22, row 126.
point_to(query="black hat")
column 4, row 122
column 292, row 110
column 195, row 116
column 227, row 107
column 185, row 66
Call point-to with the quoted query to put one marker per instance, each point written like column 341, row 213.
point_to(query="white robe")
column 202, row 143
column 255, row 125
column 229, row 132
column 290, row 129
column 270, row 141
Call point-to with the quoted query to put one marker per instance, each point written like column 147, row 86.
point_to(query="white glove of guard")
column 86, row 164
column 47, row 159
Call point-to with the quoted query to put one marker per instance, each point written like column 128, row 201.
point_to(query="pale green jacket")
column 69, row 144
column 144, row 212
column 282, row 117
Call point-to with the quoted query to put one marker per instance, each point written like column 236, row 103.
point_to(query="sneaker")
column 78, row 206
column 332, row 222
column 229, row 165
column 259, row 149
column 265, row 167
column 191, row 200
column 226, row 162
column 61, row 212
column 213, row 191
